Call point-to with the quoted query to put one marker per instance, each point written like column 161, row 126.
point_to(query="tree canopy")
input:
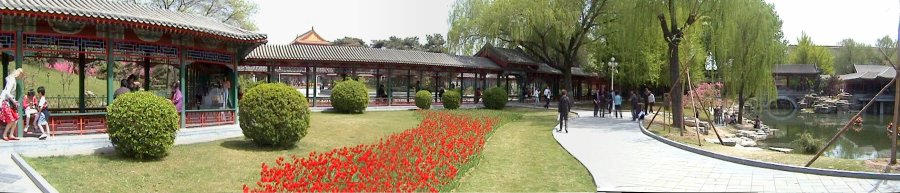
column 808, row 53
column 349, row 42
column 886, row 53
column 551, row 31
column 433, row 43
column 853, row 52
column 746, row 42
column 234, row 12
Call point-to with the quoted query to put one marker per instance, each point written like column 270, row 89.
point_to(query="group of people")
column 721, row 117
column 546, row 96
column 35, row 104
column 611, row 102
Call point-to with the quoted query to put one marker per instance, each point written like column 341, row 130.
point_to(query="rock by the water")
column 782, row 150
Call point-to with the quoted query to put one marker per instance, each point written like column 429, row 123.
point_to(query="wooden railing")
column 212, row 117
column 88, row 123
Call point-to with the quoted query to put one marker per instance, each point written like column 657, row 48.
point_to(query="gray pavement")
column 621, row 158
column 13, row 178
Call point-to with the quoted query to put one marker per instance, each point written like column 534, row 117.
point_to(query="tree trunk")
column 677, row 90
column 741, row 101
column 567, row 79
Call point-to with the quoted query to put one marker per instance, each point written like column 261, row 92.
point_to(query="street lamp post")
column 612, row 86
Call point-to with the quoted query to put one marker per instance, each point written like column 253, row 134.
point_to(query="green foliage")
column 553, row 32
column 853, row 52
column 423, row 99
column 234, row 12
column 142, row 125
column 245, row 83
column 807, row 143
column 746, row 44
column 886, row 53
column 495, row 98
column 349, row 42
column 274, row 114
column 350, row 96
column 808, row 53
column 451, row 99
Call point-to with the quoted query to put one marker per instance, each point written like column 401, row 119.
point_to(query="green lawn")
column 520, row 156
column 219, row 166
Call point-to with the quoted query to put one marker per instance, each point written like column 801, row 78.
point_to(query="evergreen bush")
column 423, row 99
column 495, row 98
column 451, row 99
column 274, row 114
column 142, row 125
column 350, row 96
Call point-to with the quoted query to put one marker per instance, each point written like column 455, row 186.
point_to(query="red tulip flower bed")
column 426, row 158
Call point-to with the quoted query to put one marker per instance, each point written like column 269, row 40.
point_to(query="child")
column 30, row 104
column 43, row 114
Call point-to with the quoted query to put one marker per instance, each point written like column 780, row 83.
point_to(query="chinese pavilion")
column 207, row 53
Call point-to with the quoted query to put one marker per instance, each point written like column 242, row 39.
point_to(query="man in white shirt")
column 547, row 93
column 537, row 96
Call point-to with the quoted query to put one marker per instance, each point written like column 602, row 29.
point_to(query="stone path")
column 12, row 178
column 621, row 158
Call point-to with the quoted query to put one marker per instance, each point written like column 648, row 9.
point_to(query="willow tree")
column 643, row 61
column 555, row 32
column 669, row 14
column 746, row 42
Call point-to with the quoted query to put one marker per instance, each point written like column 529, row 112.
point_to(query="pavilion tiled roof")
column 362, row 54
column 796, row 69
column 510, row 55
column 870, row 72
column 129, row 12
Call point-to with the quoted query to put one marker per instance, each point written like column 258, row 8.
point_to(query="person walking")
column 547, row 95
column 564, row 106
column 651, row 100
column 646, row 95
column 597, row 97
column 537, row 96
column 635, row 105
column 617, row 105
column 603, row 102
column 9, row 105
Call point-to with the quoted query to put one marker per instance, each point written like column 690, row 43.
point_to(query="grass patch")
column 520, row 156
column 60, row 83
column 219, row 166
column 796, row 159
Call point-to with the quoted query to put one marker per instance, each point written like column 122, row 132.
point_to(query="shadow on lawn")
column 247, row 145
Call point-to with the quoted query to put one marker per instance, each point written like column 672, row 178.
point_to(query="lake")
column 868, row 143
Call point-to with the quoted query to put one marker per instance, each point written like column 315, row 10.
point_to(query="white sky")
column 826, row 21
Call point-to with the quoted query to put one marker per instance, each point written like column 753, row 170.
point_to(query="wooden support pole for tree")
column 847, row 126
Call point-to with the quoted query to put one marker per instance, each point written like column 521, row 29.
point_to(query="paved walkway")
column 621, row 158
column 13, row 178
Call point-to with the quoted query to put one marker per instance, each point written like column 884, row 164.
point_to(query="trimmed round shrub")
column 495, row 98
column 423, row 99
column 142, row 125
column 350, row 96
column 451, row 99
column 274, row 114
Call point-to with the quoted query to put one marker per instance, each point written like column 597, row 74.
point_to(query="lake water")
column 870, row 142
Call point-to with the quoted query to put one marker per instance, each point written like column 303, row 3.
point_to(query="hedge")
column 274, row 114
column 350, row 96
column 495, row 98
column 142, row 125
column 451, row 99
column 423, row 99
